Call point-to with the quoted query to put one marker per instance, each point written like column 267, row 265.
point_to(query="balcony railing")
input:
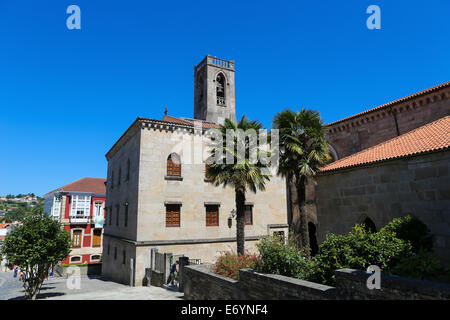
column 79, row 219
column 217, row 62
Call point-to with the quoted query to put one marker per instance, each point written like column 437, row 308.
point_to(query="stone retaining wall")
column 200, row 283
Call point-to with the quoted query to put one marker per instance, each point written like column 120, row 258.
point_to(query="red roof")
column 412, row 96
column 5, row 225
column 433, row 136
column 190, row 122
column 89, row 185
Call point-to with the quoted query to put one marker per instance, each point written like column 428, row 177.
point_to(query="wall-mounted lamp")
column 230, row 218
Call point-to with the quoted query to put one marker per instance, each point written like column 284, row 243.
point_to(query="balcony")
column 79, row 219
column 220, row 101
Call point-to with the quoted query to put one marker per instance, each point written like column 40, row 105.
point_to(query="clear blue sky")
column 66, row 95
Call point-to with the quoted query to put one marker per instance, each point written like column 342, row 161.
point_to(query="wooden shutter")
column 76, row 238
column 173, row 166
column 97, row 238
column 172, row 215
column 212, row 215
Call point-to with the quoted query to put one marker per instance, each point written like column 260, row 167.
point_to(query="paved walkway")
column 90, row 289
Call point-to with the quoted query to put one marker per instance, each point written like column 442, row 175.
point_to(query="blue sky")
column 66, row 95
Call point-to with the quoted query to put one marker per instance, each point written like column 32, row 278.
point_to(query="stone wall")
column 93, row 269
column 200, row 283
column 258, row 286
column 417, row 186
column 351, row 284
column 371, row 128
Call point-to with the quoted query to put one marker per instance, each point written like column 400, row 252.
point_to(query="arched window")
column 369, row 225
column 173, row 165
column 220, row 89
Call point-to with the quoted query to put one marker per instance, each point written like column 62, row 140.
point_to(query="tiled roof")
column 91, row 185
column 189, row 122
column 5, row 225
column 433, row 136
column 412, row 96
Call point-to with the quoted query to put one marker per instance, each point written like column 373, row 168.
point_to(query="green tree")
column 303, row 150
column 231, row 168
column 36, row 246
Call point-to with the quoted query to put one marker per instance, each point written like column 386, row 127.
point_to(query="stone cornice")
column 183, row 241
column 405, row 104
column 153, row 124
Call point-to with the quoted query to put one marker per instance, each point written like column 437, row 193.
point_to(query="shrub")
column 278, row 257
column 413, row 230
column 358, row 249
column 421, row 265
column 228, row 265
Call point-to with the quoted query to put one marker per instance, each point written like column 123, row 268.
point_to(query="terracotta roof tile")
column 92, row 185
column 433, row 136
column 190, row 122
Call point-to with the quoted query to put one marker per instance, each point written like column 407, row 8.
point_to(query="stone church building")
column 388, row 161
column 157, row 195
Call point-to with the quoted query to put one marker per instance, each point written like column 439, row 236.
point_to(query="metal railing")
column 79, row 219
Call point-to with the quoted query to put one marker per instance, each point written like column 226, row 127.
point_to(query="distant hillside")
column 17, row 207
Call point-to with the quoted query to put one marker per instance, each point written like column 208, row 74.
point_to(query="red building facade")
column 80, row 207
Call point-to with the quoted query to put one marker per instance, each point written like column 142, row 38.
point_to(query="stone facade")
column 417, row 186
column 374, row 126
column 149, row 190
column 200, row 283
column 145, row 148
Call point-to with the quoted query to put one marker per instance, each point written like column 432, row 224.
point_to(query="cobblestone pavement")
column 90, row 289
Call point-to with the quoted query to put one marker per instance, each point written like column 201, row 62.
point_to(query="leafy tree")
column 36, row 246
column 303, row 150
column 231, row 169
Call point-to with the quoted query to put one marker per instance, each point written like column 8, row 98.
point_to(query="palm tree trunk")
column 240, row 223
column 301, row 189
column 295, row 214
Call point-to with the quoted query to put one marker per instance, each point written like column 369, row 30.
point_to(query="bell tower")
column 214, row 90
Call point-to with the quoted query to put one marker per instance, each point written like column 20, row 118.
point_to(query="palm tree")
column 240, row 173
column 303, row 150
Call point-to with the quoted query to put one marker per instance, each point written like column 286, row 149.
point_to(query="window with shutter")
column 173, row 215
column 97, row 238
column 212, row 215
column 76, row 238
column 173, row 165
